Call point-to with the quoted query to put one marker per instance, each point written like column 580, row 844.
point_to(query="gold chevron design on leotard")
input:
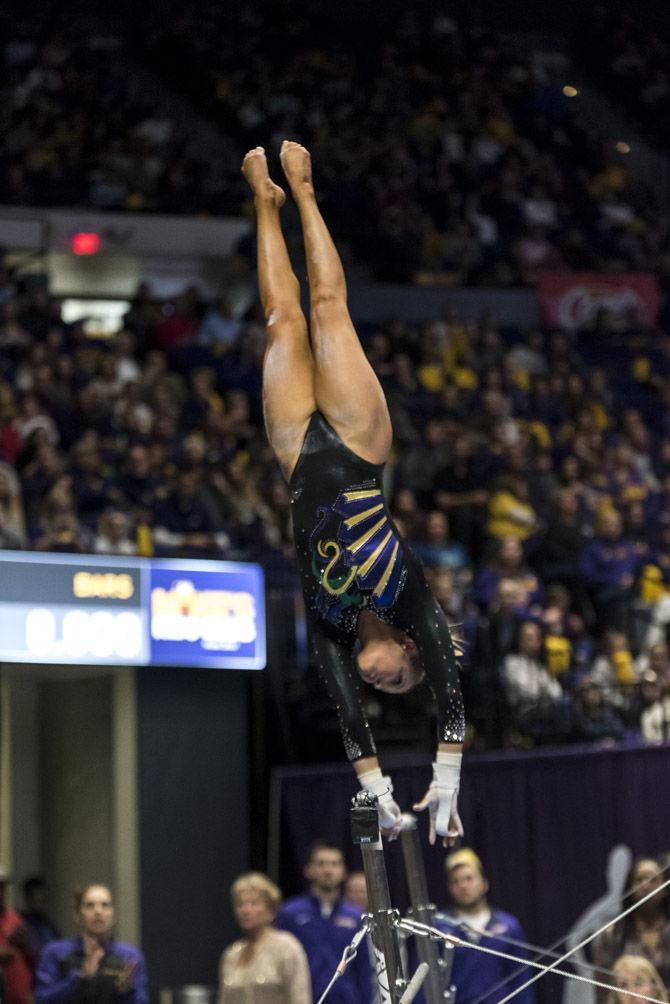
column 367, row 565
column 381, row 585
column 365, row 493
column 362, row 541
column 355, row 520
column 335, row 549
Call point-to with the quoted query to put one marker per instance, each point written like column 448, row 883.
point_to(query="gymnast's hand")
column 441, row 799
column 388, row 809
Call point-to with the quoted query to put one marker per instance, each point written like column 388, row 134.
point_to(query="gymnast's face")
column 390, row 664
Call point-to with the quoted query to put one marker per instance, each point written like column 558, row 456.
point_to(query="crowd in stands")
column 533, row 482
column 76, row 133
column 629, row 56
column 444, row 154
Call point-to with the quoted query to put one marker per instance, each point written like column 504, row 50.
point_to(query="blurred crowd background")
column 531, row 467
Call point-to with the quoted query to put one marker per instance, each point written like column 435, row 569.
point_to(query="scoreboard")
column 60, row 608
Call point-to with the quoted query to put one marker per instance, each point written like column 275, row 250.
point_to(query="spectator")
column 655, row 718
column 324, row 923
column 35, row 913
column 510, row 511
column 17, row 954
column 136, row 483
column 478, row 977
column 609, row 564
column 219, row 329
column 613, row 668
column 564, row 540
column 356, row 890
column 265, row 964
column 508, row 563
column 114, row 534
column 593, row 717
column 645, row 931
column 184, row 522
column 534, row 697
column 460, row 491
column 94, row 966
column 435, row 547
column 12, row 521
column 655, row 659
column 637, row 974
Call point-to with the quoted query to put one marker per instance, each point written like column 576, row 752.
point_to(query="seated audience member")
column 17, row 954
column 93, row 967
column 655, row 719
column 655, row 659
column 508, row 562
column 35, row 913
column 448, row 593
column 324, row 923
column 564, row 540
column 510, row 511
column 593, row 717
column 613, row 668
column 491, row 636
column 265, row 965
column 637, row 974
column 62, row 531
column 184, row 523
column 114, row 534
column 476, row 976
column 435, row 547
column 12, row 521
column 460, row 490
column 136, row 482
column 219, row 329
column 645, row 931
column 609, row 563
column 534, row 697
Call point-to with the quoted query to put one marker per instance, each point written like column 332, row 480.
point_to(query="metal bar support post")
column 391, row 983
column 436, row 985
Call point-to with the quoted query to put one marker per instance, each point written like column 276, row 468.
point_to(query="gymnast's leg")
column 347, row 390
column 288, row 366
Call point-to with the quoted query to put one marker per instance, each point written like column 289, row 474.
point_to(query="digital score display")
column 131, row 611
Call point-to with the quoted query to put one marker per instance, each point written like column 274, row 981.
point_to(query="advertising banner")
column 573, row 299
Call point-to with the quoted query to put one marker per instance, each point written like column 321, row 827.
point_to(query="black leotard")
column 351, row 558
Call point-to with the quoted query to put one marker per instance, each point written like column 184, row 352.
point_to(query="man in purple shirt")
column 324, row 924
column 609, row 563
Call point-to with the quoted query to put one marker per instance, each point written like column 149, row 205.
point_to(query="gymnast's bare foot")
column 255, row 170
column 297, row 165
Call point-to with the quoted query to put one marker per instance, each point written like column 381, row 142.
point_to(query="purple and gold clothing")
column 324, row 938
column 352, row 558
column 59, row 980
column 487, row 978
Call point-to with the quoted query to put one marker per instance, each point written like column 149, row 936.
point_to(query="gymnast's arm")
column 337, row 668
column 419, row 614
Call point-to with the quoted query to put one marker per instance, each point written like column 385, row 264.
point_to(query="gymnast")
column 370, row 612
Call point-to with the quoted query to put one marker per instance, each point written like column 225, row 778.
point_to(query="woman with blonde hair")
column 637, row 974
column 265, row 966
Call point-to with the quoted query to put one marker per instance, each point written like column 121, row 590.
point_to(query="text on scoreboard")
column 59, row 608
